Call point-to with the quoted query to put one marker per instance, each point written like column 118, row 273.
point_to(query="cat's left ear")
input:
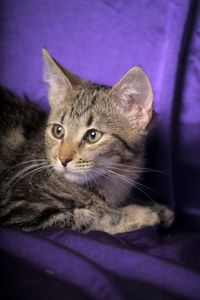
column 133, row 97
column 59, row 84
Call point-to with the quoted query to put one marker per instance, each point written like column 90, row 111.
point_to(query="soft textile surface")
column 101, row 41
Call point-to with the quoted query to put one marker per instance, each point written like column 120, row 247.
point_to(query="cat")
column 76, row 166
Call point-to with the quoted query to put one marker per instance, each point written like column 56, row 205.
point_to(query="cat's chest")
column 118, row 183
column 116, row 190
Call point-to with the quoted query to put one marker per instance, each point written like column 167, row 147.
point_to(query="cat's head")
column 93, row 128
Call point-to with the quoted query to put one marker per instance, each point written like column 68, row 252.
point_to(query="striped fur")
column 37, row 191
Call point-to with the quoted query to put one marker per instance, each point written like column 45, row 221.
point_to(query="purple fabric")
column 58, row 263
column 101, row 41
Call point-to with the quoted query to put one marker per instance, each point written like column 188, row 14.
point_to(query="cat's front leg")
column 165, row 214
column 128, row 218
column 133, row 217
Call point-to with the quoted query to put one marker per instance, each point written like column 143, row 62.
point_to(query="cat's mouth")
column 102, row 169
column 76, row 175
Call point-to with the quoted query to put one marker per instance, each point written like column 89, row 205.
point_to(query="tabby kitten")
column 75, row 167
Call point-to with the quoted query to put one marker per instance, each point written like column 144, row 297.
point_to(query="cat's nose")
column 66, row 153
column 65, row 161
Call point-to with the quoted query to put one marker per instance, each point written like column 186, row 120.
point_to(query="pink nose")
column 65, row 161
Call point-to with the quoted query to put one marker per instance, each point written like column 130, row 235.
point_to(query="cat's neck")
column 115, row 190
column 117, row 186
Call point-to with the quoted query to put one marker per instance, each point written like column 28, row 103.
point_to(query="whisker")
column 22, row 163
column 144, row 193
column 18, row 174
column 37, row 171
column 122, row 179
column 132, row 183
column 14, row 180
column 143, row 169
column 34, row 171
column 102, row 174
column 109, row 177
column 146, row 187
column 92, row 179
column 121, row 176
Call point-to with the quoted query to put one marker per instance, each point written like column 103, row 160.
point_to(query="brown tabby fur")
column 87, row 192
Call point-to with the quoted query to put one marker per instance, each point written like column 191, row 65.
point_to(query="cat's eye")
column 93, row 136
column 58, row 131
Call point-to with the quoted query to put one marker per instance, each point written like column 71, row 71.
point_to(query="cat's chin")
column 76, row 177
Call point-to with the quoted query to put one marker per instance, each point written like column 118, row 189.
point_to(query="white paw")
column 166, row 215
column 137, row 216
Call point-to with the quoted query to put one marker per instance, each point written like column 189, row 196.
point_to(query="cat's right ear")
column 133, row 97
column 59, row 84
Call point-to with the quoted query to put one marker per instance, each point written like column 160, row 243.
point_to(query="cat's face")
column 81, row 136
column 92, row 128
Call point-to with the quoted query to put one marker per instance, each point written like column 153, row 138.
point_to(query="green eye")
column 92, row 136
column 58, row 131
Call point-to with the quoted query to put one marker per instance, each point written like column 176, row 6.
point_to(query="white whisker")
column 19, row 175
column 92, row 179
column 102, row 174
column 45, row 167
column 23, row 163
column 124, row 166
column 132, row 183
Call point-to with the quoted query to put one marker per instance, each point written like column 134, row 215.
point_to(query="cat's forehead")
column 89, row 97
column 84, row 107
column 87, row 102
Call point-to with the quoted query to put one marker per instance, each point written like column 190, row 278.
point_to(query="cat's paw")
column 165, row 214
column 136, row 217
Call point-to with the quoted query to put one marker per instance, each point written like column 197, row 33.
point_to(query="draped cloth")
column 100, row 41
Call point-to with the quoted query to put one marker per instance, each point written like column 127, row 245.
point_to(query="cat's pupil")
column 59, row 129
column 93, row 135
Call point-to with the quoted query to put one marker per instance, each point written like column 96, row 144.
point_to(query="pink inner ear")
column 139, row 101
column 134, row 90
column 133, row 96
column 127, row 105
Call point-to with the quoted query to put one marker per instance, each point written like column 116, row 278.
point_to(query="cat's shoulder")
column 8, row 99
column 15, row 111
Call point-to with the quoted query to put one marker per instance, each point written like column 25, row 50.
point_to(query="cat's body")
column 75, row 168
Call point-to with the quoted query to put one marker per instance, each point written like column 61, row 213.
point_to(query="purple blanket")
column 101, row 41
